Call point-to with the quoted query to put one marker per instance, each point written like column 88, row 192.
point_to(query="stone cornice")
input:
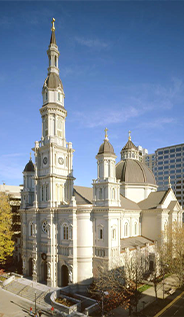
column 52, row 107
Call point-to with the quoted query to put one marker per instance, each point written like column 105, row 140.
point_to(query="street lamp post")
column 103, row 293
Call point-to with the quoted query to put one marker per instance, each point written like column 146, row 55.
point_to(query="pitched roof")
column 154, row 199
column 53, row 81
column 173, row 204
column 128, row 204
column 134, row 242
column 83, row 195
column 129, row 145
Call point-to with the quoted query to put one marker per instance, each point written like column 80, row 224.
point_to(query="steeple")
column 53, row 155
column 53, row 37
column 53, row 53
column 53, row 88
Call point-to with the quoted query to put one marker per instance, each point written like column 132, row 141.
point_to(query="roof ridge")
column 165, row 195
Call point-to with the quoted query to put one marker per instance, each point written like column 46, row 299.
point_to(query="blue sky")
column 121, row 64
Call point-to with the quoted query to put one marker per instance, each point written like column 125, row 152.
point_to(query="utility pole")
column 35, row 302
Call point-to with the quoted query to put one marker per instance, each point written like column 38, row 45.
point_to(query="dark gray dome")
column 29, row 167
column 106, row 147
column 53, row 81
column 134, row 171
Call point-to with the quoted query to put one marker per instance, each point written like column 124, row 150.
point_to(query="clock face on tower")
column 45, row 160
column 61, row 160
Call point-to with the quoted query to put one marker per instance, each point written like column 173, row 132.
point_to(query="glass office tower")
column 168, row 161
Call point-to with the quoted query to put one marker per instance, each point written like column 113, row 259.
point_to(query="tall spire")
column 53, row 37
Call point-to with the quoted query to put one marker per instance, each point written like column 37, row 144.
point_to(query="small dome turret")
column 106, row 146
column 29, row 166
column 129, row 151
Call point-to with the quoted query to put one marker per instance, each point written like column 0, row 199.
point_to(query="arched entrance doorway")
column 31, row 267
column 64, row 275
column 44, row 272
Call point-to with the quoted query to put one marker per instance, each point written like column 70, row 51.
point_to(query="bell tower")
column 106, row 189
column 53, row 155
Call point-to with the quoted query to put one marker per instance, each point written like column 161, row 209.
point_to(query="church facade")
column 67, row 230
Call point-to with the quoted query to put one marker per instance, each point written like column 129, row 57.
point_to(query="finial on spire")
column 30, row 157
column 53, row 27
column 129, row 135
column 106, row 136
column 169, row 182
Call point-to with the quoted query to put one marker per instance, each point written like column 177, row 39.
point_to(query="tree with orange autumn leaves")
column 113, row 288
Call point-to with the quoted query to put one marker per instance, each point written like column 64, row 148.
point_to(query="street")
column 13, row 306
column 177, row 309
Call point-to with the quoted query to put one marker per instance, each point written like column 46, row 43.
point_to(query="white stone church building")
column 68, row 230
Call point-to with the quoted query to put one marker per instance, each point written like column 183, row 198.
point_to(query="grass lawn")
column 143, row 288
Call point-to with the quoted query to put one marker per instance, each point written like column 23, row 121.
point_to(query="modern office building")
column 165, row 162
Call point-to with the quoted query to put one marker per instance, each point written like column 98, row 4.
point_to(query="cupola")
column 129, row 151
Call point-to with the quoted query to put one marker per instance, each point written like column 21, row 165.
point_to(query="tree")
column 134, row 275
column 110, row 288
column 172, row 252
column 6, row 243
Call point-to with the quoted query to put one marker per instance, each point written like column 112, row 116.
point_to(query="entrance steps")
column 29, row 292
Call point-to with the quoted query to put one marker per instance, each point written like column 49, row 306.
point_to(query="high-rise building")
column 168, row 162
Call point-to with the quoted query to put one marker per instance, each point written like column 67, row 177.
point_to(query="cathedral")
column 68, row 230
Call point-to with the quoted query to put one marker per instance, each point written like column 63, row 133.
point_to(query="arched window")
column 113, row 193
column 100, row 232
column 55, row 61
column 47, row 192
column 114, row 234
column 42, row 194
column 58, row 96
column 126, row 229
column 65, row 231
column 46, row 126
column 31, row 228
column 59, row 127
column 100, row 193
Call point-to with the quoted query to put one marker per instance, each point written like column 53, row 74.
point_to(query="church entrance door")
column 31, row 267
column 44, row 272
column 64, row 275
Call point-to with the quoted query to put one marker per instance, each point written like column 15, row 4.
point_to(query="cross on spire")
column 106, row 136
column 30, row 156
column 53, row 27
column 169, row 182
column 129, row 135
